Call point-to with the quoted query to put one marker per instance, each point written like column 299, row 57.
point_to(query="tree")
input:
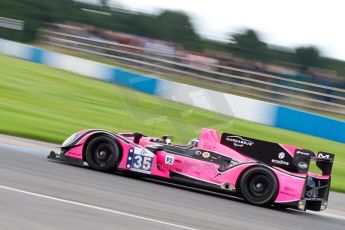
column 104, row 4
column 35, row 13
column 248, row 45
column 176, row 26
column 308, row 56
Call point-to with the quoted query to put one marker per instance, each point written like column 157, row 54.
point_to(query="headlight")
column 70, row 140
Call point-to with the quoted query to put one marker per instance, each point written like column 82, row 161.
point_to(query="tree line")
column 168, row 25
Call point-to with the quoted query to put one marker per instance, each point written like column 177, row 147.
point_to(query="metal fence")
column 10, row 23
column 234, row 80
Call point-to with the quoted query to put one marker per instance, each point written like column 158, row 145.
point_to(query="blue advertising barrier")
column 309, row 123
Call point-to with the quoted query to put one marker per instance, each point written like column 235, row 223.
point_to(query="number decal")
column 137, row 161
column 142, row 163
column 147, row 163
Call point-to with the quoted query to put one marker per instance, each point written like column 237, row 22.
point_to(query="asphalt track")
column 36, row 193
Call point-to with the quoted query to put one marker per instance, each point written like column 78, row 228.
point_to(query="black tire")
column 102, row 154
column 259, row 186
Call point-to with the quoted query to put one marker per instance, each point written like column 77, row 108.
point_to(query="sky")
column 288, row 23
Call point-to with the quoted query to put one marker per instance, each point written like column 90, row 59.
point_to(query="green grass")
column 48, row 104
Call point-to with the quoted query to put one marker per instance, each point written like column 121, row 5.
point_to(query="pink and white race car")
column 261, row 172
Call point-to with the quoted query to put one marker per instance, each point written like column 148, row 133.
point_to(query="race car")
column 261, row 172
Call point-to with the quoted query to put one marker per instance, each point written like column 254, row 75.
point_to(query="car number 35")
column 142, row 162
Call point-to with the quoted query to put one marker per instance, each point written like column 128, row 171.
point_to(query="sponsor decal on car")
column 206, row 155
column 287, row 193
column 323, row 155
column 302, row 153
column 169, row 160
column 280, row 162
column 303, row 165
column 314, row 192
column 281, row 155
column 239, row 141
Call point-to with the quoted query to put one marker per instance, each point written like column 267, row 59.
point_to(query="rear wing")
column 290, row 158
column 324, row 161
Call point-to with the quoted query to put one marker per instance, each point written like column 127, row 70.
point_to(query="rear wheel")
column 102, row 154
column 259, row 186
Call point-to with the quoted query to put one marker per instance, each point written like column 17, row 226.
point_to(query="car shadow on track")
column 219, row 194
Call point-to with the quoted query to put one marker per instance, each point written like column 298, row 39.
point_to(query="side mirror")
column 137, row 137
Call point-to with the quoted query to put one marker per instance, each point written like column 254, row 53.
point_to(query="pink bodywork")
column 291, row 185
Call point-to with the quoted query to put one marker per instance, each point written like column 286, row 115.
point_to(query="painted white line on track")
column 23, row 149
column 95, row 207
column 329, row 214
column 332, row 215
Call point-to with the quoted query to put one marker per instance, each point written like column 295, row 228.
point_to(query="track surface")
column 39, row 194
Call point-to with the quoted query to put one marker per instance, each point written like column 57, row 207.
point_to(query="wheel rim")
column 102, row 153
column 259, row 186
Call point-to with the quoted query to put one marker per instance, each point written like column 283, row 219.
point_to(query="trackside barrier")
column 223, row 103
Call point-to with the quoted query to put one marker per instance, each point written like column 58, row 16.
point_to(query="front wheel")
column 102, row 154
column 259, row 186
